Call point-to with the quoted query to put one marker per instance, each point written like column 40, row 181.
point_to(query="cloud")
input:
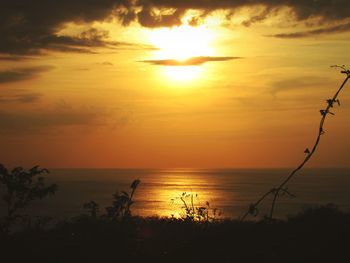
column 62, row 115
column 148, row 18
column 107, row 63
column 299, row 83
column 22, row 73
column 152, row 16
column 194, row 61
column 27, row 27
column 81, row 43
column 13, row 58
column 21, row 98
column 31, row 27
column 258, row 17
column 39, row 120
column 310, row 33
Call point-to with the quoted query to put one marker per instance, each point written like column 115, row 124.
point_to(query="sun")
column 183, row 74
column 182, row 42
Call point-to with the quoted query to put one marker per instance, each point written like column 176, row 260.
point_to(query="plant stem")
column 277, row 190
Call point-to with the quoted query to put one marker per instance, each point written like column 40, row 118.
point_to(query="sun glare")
column 183, row 74
column 182, row 42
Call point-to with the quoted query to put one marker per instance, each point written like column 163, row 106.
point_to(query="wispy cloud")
column 85, row 42
column 13, row 58
column 299, row 83
column 38, row 120
column 315, row 32
column 194, row 61
column 21, row 98
column 106, row 63
column 62, row 115
column 20, row 74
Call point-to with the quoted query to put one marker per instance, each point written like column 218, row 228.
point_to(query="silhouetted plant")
column 22, row 187
column 92, row 207
column 281, row 189
column 36, row 223
column 122, row 203
column 196, row 212
column 318, row 214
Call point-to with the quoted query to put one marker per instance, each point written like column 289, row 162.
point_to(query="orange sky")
column 134, row 85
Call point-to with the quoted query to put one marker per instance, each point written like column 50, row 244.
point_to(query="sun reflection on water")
column 173, row 185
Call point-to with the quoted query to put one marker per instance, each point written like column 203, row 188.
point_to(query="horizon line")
column 191, row 168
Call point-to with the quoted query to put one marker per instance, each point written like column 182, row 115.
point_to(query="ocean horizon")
column 230, row 191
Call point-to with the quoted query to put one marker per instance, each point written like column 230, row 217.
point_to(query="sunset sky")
column 164, row 84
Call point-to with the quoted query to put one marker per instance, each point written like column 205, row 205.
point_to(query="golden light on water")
column 177, row 184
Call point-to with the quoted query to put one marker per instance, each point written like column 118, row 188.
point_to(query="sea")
column 228, row 192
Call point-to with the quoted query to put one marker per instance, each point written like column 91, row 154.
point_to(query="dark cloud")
column 22, row 73
column 107, row 63
column 13, row 58
column 81, row 43
column 31, row 26
column 148, row 18
column 302, row 9
column 21, row 98
column 258, row 17
column 28, row 26
column 86, row 40
column 310, row 33
column 194, row 61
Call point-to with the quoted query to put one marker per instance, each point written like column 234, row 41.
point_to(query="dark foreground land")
column 315, row 235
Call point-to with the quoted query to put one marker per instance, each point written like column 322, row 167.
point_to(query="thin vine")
column 282, row 189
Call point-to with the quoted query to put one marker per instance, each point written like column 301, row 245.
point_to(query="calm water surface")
column 231, row 191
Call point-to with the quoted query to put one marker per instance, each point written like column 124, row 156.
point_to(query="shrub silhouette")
column 122, row 202
column 92, row 207
column 22, row 187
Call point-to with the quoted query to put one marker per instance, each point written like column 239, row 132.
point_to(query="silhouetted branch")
column 276, row 192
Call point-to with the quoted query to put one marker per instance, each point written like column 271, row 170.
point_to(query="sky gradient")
column 166, row 84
